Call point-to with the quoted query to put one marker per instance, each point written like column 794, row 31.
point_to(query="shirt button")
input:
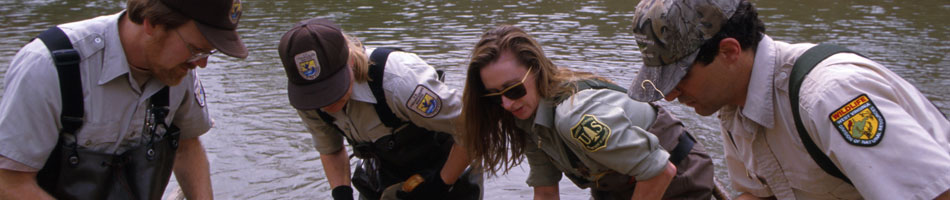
column 782, row 75
column 98, row 40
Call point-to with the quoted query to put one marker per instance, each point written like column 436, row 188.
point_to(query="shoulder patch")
column 199, row 91
column 859, row 121
column 590, row 132
column 424, row 102
column 307, row 65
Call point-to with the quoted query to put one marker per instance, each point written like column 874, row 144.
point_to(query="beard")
column 169, row 74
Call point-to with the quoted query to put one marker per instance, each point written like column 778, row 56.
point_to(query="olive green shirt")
column 604, row 128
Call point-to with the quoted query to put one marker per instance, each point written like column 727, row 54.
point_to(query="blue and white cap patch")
column 307, row 65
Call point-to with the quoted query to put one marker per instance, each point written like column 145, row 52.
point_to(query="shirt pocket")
column 99, row 136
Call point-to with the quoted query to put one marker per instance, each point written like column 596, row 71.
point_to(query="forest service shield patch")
column 591, row 133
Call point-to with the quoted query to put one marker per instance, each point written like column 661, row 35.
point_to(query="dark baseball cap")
column 669, row 34
column 314, row 54
column 217, row 20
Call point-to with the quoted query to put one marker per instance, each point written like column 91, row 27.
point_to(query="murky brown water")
column 259, row 150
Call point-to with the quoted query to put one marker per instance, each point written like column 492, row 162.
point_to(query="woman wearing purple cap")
column 387, row 104
column 518, row 103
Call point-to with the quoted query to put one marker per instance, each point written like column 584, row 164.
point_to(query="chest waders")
column 72, row 172
column 408, row 150
column 612, row 184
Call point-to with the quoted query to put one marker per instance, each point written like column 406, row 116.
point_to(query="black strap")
column 376, row 68
column 70, row 85
column 805, row 63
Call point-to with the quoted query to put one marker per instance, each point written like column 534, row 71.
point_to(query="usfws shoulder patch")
column 591, row 133
column 859, row 122
column 424, row 102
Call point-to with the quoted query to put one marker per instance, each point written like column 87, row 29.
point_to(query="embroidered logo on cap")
column 424, row 102
column 859, row 122
column 591, row 133
column 235, row 13
column 307, row 65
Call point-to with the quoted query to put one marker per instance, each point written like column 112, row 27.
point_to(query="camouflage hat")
column 669, row 34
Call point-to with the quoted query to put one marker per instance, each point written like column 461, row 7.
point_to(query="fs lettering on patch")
column 424, row 102
column 590, row 132
column 859, row 121
column 307, row 65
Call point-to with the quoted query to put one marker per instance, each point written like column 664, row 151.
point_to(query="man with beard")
column 106, row 108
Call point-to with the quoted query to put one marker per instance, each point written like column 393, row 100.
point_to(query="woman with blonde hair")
column 389, row 106
column 518, row 103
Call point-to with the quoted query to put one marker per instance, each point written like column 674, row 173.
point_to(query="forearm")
column 20, row 185
column 654, row 188
column 546, row 192
column 192, row 169
column 944, row 196
column 457, row 162
column 336, row 165
column 747, row 196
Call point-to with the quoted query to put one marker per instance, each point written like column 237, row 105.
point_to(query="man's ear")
column 730, row 49
column 151, row 28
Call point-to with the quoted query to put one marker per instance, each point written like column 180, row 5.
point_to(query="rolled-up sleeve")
column 326, row 138
column 618, row 142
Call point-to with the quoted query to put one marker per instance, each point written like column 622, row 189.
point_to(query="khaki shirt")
column 407, row 78
column 617, row 139
column 765, row 155
column 114, row 105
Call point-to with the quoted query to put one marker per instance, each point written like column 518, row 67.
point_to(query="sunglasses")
column 195, row 53
column 513, row 92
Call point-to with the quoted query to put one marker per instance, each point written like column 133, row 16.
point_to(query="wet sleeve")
column 325, row 138
column 417, row 95
column 192, row 115
column 30, row 107
column 542, row 172
column 608, row 126
column 857, row 117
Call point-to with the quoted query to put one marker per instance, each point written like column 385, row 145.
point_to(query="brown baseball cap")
column 314, row 54
column 669, row 34
column 217, row 20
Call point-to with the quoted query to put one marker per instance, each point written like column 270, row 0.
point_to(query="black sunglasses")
column 513, row 92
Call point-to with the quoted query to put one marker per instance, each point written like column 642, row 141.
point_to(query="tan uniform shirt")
column 604, row 128
column 765, row 156
column 114, row 105
column 407, row 79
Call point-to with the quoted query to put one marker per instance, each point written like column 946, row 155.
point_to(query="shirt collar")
column 115, row 63
column 759, row 102
column 545, row 114
column 362, row 92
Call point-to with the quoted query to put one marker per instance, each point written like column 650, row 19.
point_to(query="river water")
column 260, row 150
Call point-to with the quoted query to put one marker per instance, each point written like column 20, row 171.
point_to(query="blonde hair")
column 489, row 132
column 360, row 61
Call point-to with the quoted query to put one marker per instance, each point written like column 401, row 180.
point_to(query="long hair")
column 489, row 132
column 360, row 60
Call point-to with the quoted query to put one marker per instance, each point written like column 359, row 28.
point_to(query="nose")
column 506, row 103
column 201, row 62
column 673, row 94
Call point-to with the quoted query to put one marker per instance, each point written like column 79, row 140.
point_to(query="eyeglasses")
column 195, row 53
column 513, row 92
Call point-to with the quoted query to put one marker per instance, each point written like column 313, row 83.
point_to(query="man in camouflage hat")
column 780, row 126
column 107, row 108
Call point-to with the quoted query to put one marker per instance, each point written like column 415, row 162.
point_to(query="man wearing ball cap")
column 843, row 131
column 109, row 107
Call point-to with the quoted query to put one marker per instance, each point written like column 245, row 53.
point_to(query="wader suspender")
column 805, row 63
column 67, row 61
column 677, row 154
column 147, row 174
